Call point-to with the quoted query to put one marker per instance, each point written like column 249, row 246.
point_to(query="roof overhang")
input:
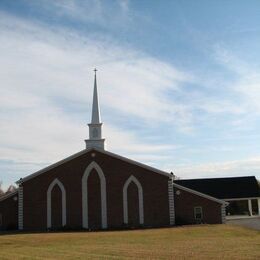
column 248, row 198
column 200, row 194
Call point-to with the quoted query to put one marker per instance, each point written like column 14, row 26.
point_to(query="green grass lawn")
column 190, row 242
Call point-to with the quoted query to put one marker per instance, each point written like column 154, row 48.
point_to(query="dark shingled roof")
column 224, row 188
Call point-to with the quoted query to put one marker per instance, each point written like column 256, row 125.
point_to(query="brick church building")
column 97, row 189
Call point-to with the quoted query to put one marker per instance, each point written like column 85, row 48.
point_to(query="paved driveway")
column 253, row 223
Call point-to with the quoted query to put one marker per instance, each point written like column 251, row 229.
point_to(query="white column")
column 258, row 207
column 250, row 207
column 20, row 207
column 223, row 213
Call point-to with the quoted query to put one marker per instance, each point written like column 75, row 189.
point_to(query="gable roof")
column 224, row 188
column 199, row 194
column 52, row 166
column 8, row 195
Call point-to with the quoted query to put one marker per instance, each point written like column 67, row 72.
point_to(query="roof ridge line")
column 39, row 172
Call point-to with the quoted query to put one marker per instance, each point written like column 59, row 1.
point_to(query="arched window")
column 102, row 178
column 140, row 199
column 63, row 192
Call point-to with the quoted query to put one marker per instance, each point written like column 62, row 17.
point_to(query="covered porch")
column 243, row 208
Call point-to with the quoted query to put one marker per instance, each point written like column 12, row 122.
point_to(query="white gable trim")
column 52, row 166
column 63, row 192
column 136, row 163
column 199, row 194
column 94, row 165
column 140, row 198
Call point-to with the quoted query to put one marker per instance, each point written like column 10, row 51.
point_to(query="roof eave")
column 200, row 194
column 22, row 180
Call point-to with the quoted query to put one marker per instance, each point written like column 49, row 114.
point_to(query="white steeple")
column 95, row 127
column 95, row 107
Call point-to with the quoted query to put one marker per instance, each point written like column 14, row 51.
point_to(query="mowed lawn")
column 190, row 242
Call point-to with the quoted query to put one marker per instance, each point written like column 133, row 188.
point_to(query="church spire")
column 95, row 127
column 95, row 107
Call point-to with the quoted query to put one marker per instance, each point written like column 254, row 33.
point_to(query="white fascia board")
column 249, row 198
column 52, row 166
column 200, row 194
column 6, row 196
column 142, row 165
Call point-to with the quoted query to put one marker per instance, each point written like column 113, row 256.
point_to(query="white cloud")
column 106, row 14
column 246, row 83
column 55, row 64
column 46, row 90
column 124, row 4
column 250, row 166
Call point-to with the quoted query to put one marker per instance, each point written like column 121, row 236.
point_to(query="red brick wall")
column 116, row 171
column 184, row 208
column 9, row 212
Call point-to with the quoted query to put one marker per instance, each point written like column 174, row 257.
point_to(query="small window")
column 198, row 213
column 1, row 219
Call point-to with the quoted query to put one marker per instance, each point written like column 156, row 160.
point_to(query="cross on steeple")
column 95, row 106
column 95, row 127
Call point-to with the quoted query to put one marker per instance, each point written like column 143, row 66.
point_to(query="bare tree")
column 1, row 189
column 10, row 189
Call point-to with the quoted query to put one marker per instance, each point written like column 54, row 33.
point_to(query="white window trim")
column 63, row 192
column 140, row 198
column 91, row 166
column 194, row 209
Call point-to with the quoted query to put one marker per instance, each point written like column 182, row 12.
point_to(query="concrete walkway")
column 250, row 222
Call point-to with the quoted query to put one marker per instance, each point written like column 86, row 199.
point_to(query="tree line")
column 10, row 189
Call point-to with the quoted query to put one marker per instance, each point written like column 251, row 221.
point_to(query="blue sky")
column 179, row 83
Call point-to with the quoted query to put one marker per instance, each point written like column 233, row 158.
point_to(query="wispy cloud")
column 47, row 64
column 106, row 14
column 246, row 82
column 47, row 88
column 250, row 166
